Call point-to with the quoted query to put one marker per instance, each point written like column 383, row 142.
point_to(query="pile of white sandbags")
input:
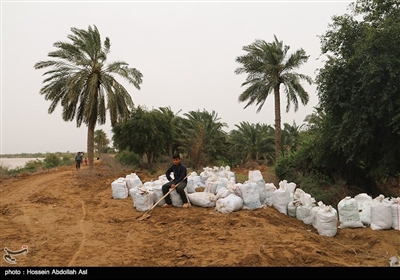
column 214, row 180
column 145, row 196
column 223, row 193
column 378, row 213
column 302, row 206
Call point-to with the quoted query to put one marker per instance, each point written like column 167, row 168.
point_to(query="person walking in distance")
column 179, row 170
column 78, row 160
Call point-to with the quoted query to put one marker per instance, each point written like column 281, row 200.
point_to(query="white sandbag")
column 163, row 178
column 211, row 185
column 223, row 173
column 306, row 203
column 204, row 175
column 158, row 194
column 195, row 179
column 236, row 189
column 133, row 181
column 229, row 204
column 326, row 221
column 292, row 206
column 148, row 185
column 270, row 189
column 312, row 218
column 119, row 189
column 143, row 199
column 231, row 175
column 131, row 194
column 255, row 175
column 221, row 183
column 298, row 193
column 381, row 214
column 222, row 193
column 290, row 187
column 364, row 208
column 191, row 184
column 262, row 190
column 202, row 199
column 395, row 210
column 306, row 199
column 176, row 198
column 281, row 198
column 303, row 212
column 250, row 195
column 348, row 213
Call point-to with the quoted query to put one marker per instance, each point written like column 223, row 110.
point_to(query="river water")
column 12, row 163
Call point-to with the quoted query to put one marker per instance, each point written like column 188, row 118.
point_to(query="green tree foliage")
column 173, row 124
column 51, row 161
column 128, row 158
column 100, row 141
column 315, row 120
column 144, row 133
column 84, row 85
column 291, row 138
column 268, row 66
column 203, row 137
column 359, row 91
column 252, row 142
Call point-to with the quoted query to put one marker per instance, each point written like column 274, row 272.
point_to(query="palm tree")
column 291, row 137
column 251, row 142
column 316, row 119
column 172, row 117
column 84, row 85
column 268, row 66
column 205, row 140
column 101, row 141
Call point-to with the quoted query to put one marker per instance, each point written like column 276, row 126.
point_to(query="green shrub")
column 128, row 158
column 52, row 161
column 285, row 168
column 67, row 160
column 322, row 188
column 33, row 165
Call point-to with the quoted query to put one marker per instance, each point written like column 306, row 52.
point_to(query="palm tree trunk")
column 278, row 136
column 90, row 145
column 100, row 149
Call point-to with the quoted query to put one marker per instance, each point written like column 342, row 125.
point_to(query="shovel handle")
column 165, row 195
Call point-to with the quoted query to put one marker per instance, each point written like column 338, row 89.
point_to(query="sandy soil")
column 68, row 218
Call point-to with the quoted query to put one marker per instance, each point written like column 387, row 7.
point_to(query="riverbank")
column 12, row 163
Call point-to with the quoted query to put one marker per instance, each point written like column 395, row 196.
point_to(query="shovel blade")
column 143, row 217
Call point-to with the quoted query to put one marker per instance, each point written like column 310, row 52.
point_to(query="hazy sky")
column 186, row 51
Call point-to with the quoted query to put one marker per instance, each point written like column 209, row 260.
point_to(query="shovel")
column 147, row 214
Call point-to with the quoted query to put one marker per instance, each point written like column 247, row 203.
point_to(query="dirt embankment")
column 68, row 218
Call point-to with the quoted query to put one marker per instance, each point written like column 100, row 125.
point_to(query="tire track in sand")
column 83, row 239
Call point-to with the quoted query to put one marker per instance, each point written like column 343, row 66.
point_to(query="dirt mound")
column 68, row 218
